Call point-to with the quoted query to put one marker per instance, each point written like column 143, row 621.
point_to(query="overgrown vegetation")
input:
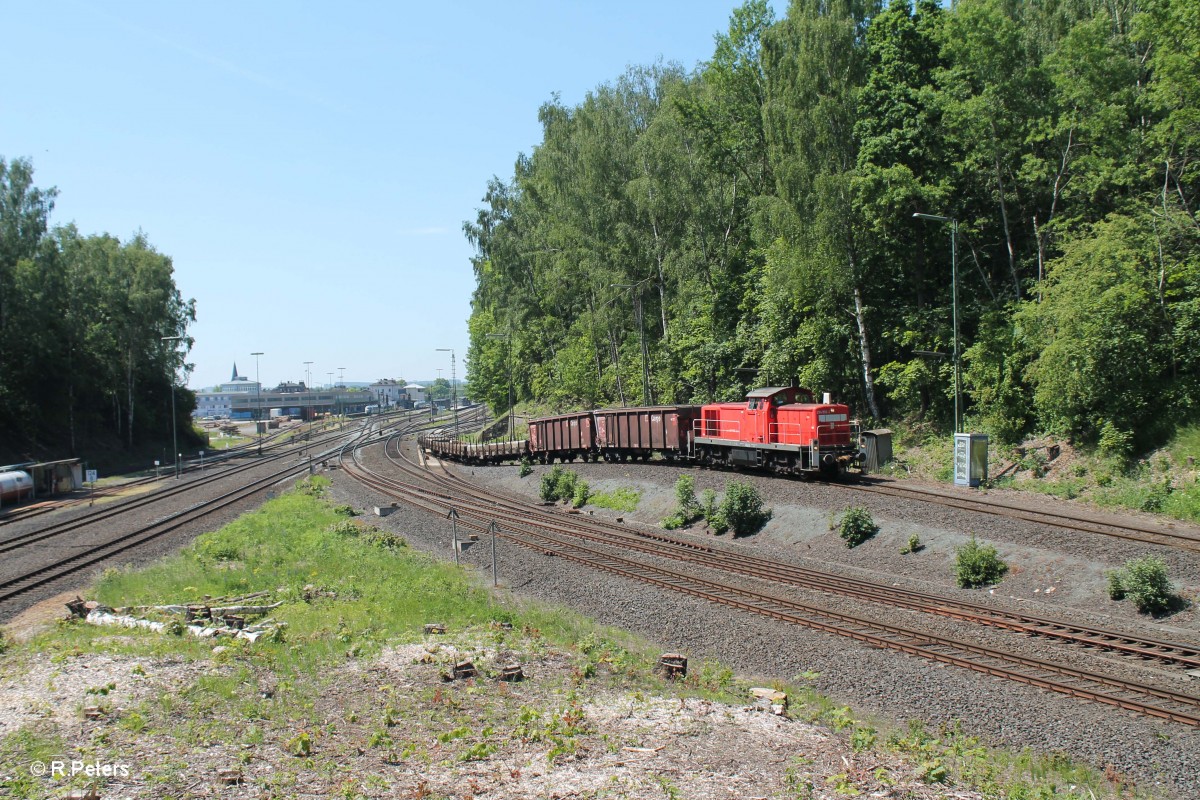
column 741, row 510
column 978, row 564
column 623, row 498
column 687, row 507
column 856, row 526
column 1145, row 582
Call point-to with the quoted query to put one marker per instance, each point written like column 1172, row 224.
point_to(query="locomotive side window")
column 753, row 404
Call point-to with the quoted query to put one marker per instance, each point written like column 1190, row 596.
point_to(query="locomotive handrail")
column 778, row 429
column 717, row 428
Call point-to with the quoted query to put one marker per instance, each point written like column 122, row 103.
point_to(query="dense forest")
column 680, row 236
column 84, row 369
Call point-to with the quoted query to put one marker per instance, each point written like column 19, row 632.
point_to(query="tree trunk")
column 616, row 359
column 129, row 392
column 865, row 348
column 1012, row 253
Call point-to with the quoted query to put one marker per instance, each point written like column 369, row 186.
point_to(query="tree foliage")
column 83, row 364
column 681, row 235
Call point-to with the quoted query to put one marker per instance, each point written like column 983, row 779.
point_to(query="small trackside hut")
column 778, row 428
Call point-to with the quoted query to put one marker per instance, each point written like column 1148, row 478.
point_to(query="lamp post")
column 954, row 305
column 637, row 318
column 174, row 427
column 257, row 402
column 453, row 387
column 341, row 388
column 308, row 386
column 508, row 360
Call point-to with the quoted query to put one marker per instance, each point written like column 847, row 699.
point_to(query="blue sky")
column 308, row 166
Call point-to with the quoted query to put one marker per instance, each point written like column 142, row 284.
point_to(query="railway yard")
column 1043, row 660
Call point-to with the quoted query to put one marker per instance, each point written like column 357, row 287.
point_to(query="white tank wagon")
column 15, row 486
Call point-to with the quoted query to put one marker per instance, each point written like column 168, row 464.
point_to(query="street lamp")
column 174, row 427
column 453, row 386
column 257, row 402
column 341, row 387
column 508, row 360
column 308, row 386
column 954, row 305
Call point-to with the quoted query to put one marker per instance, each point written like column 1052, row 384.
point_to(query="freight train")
column 782, row 429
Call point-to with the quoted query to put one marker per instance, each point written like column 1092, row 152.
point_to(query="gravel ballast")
column 1052, row 572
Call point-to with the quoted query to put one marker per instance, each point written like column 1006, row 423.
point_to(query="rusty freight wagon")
column 625, row 433
column 565, row 437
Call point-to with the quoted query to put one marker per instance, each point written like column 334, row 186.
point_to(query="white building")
column 219, row 403
column 416, row 392
column 389, row 392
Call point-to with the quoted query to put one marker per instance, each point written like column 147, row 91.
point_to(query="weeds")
column 978, row 565
column 1145, row 582
column 856, row 526
column 621, row 499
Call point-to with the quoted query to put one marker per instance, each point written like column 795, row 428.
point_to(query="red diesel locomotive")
column 778, row 428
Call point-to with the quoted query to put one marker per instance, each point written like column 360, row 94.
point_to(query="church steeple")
column 235, row 375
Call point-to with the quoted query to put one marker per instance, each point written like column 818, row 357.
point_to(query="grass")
column 383, row 597
column 620, row 499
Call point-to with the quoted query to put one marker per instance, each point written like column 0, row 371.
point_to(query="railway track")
column 96, row 553
column 1161, row 535
column 28, row 538
column 550, row 533
column 24, row 512
column 714, row 556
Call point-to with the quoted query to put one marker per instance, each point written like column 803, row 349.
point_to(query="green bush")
column 564, row 486
column 385, row 540
column 1145, row 582
column 742, row 509
column 1114, row 442
column 674, row 522
column 856, row 526
column 548, row 489
column 978, row 564
column 1115, row 590
column 582, row 493
column 686, row 506
column 526, row 467
column 914, row 545
column 708, row 504
column 685, row 497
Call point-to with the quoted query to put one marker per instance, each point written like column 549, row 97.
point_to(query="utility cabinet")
column 877, row 445
column 970, row 459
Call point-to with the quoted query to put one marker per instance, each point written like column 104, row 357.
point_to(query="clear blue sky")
column 308, row 166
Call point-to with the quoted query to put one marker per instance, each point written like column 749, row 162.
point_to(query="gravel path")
column 875, row 682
